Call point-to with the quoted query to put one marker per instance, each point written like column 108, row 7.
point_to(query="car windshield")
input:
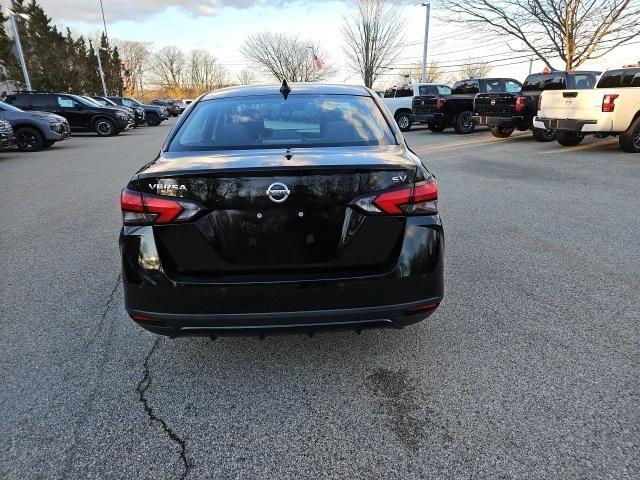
column 534, row 83
column 83, row 100
column 130, row 102
column 92, row 101
column 9, row 108
column 269, row 121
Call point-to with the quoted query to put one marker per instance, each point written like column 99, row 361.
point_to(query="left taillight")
column 609, row 102
column 521, row 104
column 416, row 199
column 144, row 209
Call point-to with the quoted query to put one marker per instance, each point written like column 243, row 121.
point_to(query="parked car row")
column 556, row 105
column 40, row 119
column 174, row 107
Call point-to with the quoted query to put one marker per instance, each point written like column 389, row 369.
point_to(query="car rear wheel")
column 501, row 132
column 544, row 135
column 29, row 139
column 464, row 123
column 630, row 140
column 569, row 139
column 104, row 127
column 404, row 121
column 436, row 127
column 153, row 120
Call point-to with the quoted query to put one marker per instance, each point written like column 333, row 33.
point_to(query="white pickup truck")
column 398, row 100
column 612, row 108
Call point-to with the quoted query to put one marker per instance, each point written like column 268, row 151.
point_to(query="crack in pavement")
column 142, row 388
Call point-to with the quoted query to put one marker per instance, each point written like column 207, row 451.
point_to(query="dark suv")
column 137, row 111
column 155, row 114
column 170, row 105
column 81, row 114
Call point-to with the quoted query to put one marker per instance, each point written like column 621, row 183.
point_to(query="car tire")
column 104, row 127
column 630, row 139
column 464, row 123
column 29, row 139
column 404, row 121
column 569, row 139
column 435, row 127
column 501, row 132
column 153, row 120
column 544, row 135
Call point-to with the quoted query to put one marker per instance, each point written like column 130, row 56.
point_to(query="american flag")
column 318, row 62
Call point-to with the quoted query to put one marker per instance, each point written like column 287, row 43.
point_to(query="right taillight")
column 521, row 104
column 609, row 102
column 417, row 199
column 440, row 103
column 144, row 209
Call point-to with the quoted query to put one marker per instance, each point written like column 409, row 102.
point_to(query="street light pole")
column 16, row 39
column 104, row 85
column 423, row 77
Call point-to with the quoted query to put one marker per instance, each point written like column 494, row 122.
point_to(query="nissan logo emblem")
column 493, row 102
column 278, row 192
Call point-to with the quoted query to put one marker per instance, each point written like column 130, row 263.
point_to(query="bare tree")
column 472, row 69
column 286, row 56
column 135, row 58
column 434, row 73
column 246, row 76
column 372, row 38
column 168, row 67
column 572, row 30
column 204, row 72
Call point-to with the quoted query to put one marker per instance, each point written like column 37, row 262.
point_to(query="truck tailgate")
column 571, row 104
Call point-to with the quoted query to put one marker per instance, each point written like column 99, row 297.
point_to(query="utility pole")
column 103, row 20
column 530, row 65
column 313, row 63
column 104, row 85
column 16, row 39
column 423, row 77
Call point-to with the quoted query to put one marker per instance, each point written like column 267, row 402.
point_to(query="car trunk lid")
column 280, row 211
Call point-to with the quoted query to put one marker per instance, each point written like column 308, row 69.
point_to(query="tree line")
column 56, row 60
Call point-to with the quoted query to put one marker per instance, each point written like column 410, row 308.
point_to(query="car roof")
column 296, row 88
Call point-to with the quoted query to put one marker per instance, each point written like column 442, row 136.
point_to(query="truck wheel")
column 104, row 127
column 29, row 139
column 630, row 140
column 501, row 132
column 464, row 123
column 153, row 120
column 404, row 121
column 544, row 135
column 569, row 139
column 436, row 127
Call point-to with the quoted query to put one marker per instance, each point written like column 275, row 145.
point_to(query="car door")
column 75, row 113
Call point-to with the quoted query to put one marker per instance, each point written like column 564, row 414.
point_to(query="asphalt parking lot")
column 529, row 369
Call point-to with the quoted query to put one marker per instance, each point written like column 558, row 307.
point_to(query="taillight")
column 609, row 102
column 144, row 209
column 440, row 103
column 417, row 199
column 521, row 104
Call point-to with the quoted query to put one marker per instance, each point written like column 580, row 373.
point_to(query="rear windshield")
column 269, row 121
column 466, row 86
column 425, row 90
column 537, row 83
column 628, row 77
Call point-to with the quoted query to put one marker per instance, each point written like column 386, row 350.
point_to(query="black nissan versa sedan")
column 282, row 208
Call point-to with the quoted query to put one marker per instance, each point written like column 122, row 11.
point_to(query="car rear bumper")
column 428, row 117
column 172, row 305
column 501, row 121
column 574, row 125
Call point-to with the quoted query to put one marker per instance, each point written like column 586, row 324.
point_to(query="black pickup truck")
column 508, row 111
column 456, row 110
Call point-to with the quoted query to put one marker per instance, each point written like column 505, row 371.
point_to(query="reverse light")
column 144, row 209
column 417, row 199
column 521, row 104
column 440, row 103
column 608, row 102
